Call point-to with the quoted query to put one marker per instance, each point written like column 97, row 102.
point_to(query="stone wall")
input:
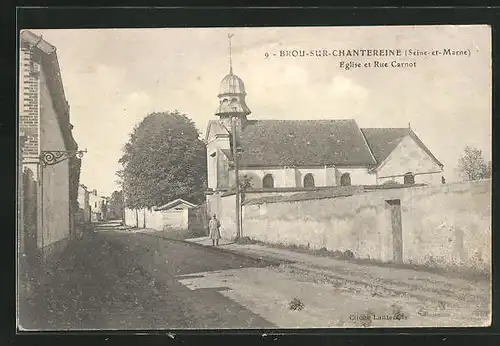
column 55, row 188
column 445, row 225
column 157, row 219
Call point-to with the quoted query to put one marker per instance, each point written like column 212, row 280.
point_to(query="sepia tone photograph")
column 254, row 178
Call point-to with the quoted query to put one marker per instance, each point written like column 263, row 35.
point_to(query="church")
column 305, row 154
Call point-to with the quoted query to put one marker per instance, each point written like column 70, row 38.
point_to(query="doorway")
column 394, row 206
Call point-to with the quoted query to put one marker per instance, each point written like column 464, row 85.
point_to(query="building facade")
column 84, row 203
column 49, row 164
column 98, row 206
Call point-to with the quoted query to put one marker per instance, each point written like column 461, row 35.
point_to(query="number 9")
column 266, row 55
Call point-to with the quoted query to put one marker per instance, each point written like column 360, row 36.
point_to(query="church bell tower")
column 232, row 98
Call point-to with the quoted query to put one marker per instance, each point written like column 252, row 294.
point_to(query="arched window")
column 268, row 181
column 409, row 179
column 309, row 180
column 345, row 179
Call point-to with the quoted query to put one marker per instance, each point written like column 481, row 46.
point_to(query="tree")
column 116, row 205
column 164, row 159
column 245, row 184
column 472, row 165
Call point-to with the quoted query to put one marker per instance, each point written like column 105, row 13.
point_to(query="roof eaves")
column 421, row 144
column 174, row 203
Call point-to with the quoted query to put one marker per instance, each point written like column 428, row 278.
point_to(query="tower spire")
column 230, row 57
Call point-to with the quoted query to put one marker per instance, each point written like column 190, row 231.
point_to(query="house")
column 175, row 214
column 309, row 153
column 50, row 159
column 98, row 206
column 84, row 204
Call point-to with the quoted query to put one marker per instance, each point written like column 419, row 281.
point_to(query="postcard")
column 254, row 177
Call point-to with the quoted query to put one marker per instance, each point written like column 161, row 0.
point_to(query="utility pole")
column 236, row 178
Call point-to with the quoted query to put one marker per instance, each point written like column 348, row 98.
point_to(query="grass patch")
column 431, row 265
column 296, row 304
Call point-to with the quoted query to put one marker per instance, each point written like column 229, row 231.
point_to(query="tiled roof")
column 175, row 203
column 303, row 142
column 383, row 141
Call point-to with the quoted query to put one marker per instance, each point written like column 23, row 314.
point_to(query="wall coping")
column 327, row 192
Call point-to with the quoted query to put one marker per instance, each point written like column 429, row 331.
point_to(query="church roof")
column 383, row 141
column 303, row 142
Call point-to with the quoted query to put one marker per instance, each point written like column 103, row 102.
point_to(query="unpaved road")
column 120, row 280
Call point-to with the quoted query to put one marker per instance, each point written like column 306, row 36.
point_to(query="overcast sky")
column 114, row 78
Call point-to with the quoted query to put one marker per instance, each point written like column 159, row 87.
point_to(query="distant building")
column 98, row 206
column 84, row 203
column 50, row 170
column 175, row 214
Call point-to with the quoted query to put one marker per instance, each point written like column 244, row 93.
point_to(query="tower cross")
column 230, row 57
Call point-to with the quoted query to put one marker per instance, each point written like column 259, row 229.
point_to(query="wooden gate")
column 397, row 229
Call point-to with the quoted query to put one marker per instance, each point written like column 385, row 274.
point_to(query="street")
column 114, row 279
column 107, row 283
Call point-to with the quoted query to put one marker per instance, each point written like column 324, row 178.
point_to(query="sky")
column 113, row 78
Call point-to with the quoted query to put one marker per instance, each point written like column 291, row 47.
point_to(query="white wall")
column 408, row 157
column 55, row 210
column 157, row 219
column 294, row 177
column 359, row 176
column 130, row 217
column 448, row 224
column 213, row 163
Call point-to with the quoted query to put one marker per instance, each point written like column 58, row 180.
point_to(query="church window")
column 409, row 179
column 309, row 180
column 345, row 179
column 268, row 181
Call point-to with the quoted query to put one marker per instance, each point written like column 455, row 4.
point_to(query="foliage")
column 163, row 160
column 115, row 204
column 473, row 166
column 245, row 184
column 75, row 168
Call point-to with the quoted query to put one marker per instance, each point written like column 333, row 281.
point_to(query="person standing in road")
column 214, row 227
